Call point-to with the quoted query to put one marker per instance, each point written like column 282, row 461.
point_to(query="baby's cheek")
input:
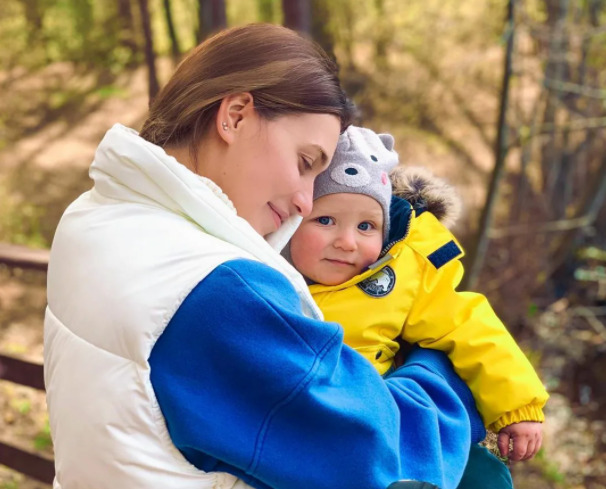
column 302, row 252
column 369, row 260
column 373, row 251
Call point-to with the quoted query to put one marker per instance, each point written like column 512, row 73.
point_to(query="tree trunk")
column 34, row 16
column 297, row 15
column 150, row 56
column 478, row 251
column 172, row 34
column 82, row 11
column 320, row 26
column 555, row 71
column 127, row 29
column 524, row 189
column 211, row 18
column 346, row 34
column 382, row 37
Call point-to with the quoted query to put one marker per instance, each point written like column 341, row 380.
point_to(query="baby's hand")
column 526, row 438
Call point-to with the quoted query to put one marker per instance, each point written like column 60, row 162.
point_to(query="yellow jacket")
column 410, row 294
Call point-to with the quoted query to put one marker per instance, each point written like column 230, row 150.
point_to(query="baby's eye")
column 366, row 226
column 325, row 220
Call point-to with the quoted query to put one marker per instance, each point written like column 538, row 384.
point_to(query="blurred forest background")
column 506, row 99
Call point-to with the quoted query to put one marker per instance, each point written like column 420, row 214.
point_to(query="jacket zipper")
column 391, row 244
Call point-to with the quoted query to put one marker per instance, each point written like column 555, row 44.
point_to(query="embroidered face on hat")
column 361, row 165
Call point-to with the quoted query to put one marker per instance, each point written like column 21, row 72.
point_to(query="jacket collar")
column 130, row 169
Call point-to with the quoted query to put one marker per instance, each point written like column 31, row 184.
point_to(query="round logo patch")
column 380, row 284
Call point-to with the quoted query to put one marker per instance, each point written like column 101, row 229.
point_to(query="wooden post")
column 30, row 464
column 23, row 257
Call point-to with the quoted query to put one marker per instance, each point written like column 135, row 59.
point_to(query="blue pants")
column 485, row 470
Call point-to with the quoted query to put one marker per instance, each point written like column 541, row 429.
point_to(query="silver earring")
column 224, row 125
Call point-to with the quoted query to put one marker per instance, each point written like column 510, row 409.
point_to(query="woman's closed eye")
column 305, row 164
column 325, row 220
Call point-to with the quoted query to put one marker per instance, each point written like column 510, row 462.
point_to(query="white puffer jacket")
column 124, row 257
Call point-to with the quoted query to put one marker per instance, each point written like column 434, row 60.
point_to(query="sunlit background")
column 504, row 99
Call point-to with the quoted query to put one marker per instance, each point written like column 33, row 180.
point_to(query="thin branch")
column 594, row 200
column 548, row 227
column 576, row 124
column 575, row 88
column 592, row 319
column 596, row 311
column 543, row 32
column 551, row 127
column 461, row 101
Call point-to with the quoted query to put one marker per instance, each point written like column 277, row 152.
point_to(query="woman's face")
column 270, row 167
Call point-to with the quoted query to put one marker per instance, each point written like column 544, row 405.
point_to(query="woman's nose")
column 303, row 200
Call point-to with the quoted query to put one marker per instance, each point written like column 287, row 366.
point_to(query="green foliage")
column 597, row 274
column 592, row 253
column 246, row 11
column 550, row 469
column 24, row 406
column 532, row 310
column 38, row 32
column 43, row 439
column 20, row 221
column 3, row 134
column 12, row 484
column 269, row 11
column 534, row 10
column 111, row 91
column 60, row 99
column 12, row 34
column 83, row 33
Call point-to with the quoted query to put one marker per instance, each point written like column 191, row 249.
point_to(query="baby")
column 386, row 269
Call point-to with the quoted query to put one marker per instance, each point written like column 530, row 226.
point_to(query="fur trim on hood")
column 420, row 187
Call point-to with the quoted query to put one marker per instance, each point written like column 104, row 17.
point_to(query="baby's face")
column 339, row 239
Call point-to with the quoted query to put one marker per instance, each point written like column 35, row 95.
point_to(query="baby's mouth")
column 337, row 261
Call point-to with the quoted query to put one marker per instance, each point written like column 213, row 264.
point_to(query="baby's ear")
column 387, row 140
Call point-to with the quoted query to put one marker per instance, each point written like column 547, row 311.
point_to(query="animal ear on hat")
column 387, row 140
column 345, row 142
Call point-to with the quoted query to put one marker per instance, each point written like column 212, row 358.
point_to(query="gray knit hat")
column 361, row 165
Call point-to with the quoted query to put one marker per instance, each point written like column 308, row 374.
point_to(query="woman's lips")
column 277, row 216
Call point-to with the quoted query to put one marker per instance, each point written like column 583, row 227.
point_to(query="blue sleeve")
column 250, row 386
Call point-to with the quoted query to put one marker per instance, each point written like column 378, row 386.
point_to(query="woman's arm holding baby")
column 306, row 410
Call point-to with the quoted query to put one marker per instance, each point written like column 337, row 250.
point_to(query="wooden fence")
column 24, row 373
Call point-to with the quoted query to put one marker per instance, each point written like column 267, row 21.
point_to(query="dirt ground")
column 48, row 168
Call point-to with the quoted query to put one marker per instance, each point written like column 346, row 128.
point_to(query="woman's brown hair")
column 285, row 73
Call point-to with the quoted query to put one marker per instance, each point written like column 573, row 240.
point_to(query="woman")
column 181, row 350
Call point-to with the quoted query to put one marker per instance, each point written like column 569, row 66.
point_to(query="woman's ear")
column 233, row 112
